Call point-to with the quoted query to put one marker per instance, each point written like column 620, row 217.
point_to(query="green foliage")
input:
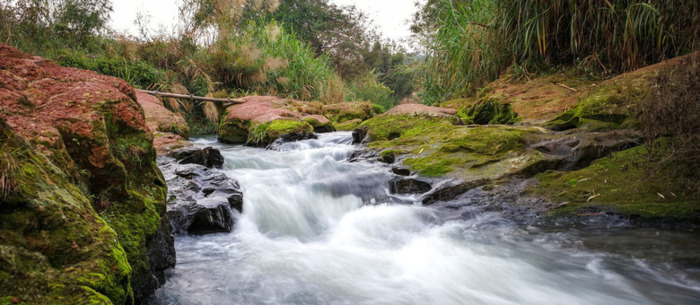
column 138, row 73
column 267, row 59
column 472, row 42
column 368, row 88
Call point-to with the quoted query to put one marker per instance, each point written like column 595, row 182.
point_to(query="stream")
column 318, row 229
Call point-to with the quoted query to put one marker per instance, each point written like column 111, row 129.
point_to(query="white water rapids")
column 317, row 229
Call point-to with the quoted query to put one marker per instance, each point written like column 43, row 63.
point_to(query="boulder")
column 260, row 120
column 202, row 216
column 319, row 123
column 207, row 156
column 83, row 207
column 202, row 200
column 159, row 118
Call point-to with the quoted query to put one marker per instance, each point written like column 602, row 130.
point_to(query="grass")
column 475, row 43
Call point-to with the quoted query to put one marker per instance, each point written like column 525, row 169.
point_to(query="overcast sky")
column 390, row 16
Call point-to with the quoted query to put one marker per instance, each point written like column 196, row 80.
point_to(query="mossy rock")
column 319, row 123
column 436, row 147
column 610, row 105
column 55, row 247
column 234, row 131
column 263, row 134
column 627, row 183
column 488, row 111
column 347, row 126
column 348, row 111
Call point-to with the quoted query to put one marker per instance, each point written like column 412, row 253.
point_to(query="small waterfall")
column 318, row 229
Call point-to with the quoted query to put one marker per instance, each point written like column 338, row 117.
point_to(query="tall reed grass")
column 476, row 40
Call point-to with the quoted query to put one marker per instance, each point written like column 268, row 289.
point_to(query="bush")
column 138, row 73
column 368, row 88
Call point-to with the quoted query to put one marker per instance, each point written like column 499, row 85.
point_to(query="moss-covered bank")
column 83, row 202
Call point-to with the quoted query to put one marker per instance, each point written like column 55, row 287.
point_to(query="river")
column 318, row 229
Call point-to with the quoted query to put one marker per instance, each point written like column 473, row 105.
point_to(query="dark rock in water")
column 401, row 171
column 202, row 200
column 202, row 216
column 363, row 154
column 291, row 137
column 207, row 156
column 400, row 185
column 161, row 256
column 236, row 202
column 448, row 190
column 296, row 136
column 359, row 135
column 387, row 157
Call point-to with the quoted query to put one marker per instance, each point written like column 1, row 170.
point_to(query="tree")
column 342, row 32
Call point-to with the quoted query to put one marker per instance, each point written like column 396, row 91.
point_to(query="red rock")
column 159, row 118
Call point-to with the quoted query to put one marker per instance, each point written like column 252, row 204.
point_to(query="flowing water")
column 318, row 229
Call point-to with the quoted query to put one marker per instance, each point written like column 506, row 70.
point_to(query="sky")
column 391, row 17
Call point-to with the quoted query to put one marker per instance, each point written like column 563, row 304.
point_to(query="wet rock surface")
column 401, row 185
column 207, row 156
column 201, row 200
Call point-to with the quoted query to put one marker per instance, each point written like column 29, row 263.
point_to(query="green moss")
column 610, row 105
column 52, row 237
column 627, row 183
column 488, row 111
column 234, row 131
column 437, row 147
column 264, row 134
column 348, row 111
column 389, row 127
column 348, row 125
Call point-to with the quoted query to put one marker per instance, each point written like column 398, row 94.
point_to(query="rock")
column 387, row 156
column 159, row 118
column 319, row 123
column 203, row 216
column 363, row 154
column 168, row 142
column 359, row 135
column 449, row 189
column 401, row 171
column 203, row 200
column 190, row 171
column 578, row 150
column 207, row 156
column 408, row 186
column 347, row 125
column 83, row 192
column 348, row 111
column 421, row 110
column 612, row 104
column 260, row 120
column 488, row 112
